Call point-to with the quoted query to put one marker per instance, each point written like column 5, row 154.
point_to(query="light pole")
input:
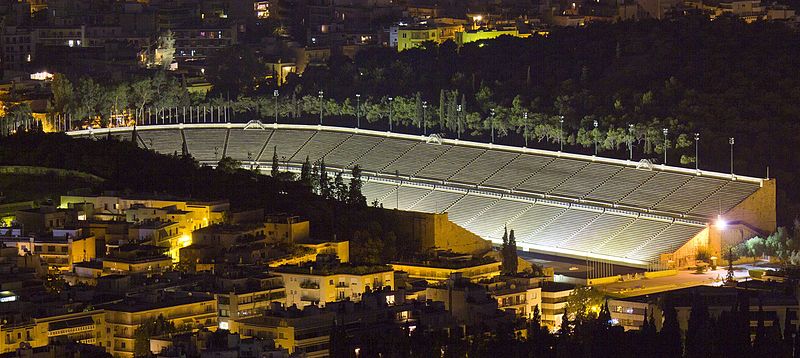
column 320, row 107
column 696, row 151
column 525, row 132
column 666, row 132
column 458, row 128
column 595, row 135
column 491, row 122
column 424, row 124
column 731, row 142
column 630, row 142
column 390, row 113
column 275, row 94
column 358, row 110
column 561, row 134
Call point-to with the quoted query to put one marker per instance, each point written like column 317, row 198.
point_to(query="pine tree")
column 697, row 332
column 314, row 179
column 305, row 173
column 566, row 325
column 670, row 335
column 513, row 263
column 324, row 182
column 354, row 195
column 274, row 171
column 340, row 187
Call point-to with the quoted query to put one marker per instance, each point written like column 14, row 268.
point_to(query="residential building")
column 187, row 311
column 305, row 331
column 320, row 283
column 130, row 259
column 412, row 36
column 447, row 264
column 59, row 250
column 554, row 302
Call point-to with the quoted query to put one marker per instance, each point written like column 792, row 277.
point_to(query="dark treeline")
column 334, row 212
column 590, row 333
column 719, row 78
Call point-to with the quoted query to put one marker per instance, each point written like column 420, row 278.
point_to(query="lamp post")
column 491, row 122
column 666, row 132
column 424, row 124
column 696, row 151
column 390, row 113
column 525, row 132
column 561, row 134
column 458, row 128
column 731, row 142
column 320, row 107
column 630, row 142
column 358, row 110
column 275, row 94
column 594, row 134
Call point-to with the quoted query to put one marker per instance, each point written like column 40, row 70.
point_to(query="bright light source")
column 721, row 223
column 477, row 18
column 223, row 325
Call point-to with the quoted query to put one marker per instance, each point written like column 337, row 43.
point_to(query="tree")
column 228, row 165
column 513, row 262
column 670, row 334
column 340, row 188
column 305, row 172
column 274, row 171
column 324, row 182
column 354, row 195
column 697, row 343
column 504, row 251
column 584, row 303
column 148, row 329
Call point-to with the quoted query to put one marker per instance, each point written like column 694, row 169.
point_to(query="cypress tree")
column 324, row 182
column 670, row 335
column 274, row 171
column 504, row 252
column 305, row 172
column 354, row 195
column 513, row 263
column 442, row 105
column 697, row 332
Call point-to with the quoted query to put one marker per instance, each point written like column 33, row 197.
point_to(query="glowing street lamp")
column 320, row 107
column 696, row 151
column 561, row 134
column 666, row 132
column 630, row 142
column 491, row 122
column 458, row 129
column 721, row 223
column 424, row 124
column 731, row 142
column 390, row 113
column 595, row 136
column 525, row 133
column 275, row 94
column 358, row 110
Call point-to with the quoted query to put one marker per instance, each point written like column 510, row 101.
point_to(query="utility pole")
column 594, row 134
column 630, row 142
column 666, row 143
column 525, row 132
column 390, row 113
column 320, row 107
column 696, row 151
column 731, row 142
column 561, row 134
column 358, row 110
column 275, row 94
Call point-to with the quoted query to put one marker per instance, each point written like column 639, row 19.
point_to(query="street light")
column 358, row 110
column 275, row 94
column 525, row 133
column 666, row 132
column 595, row 135
column 390, row 113
column 424, row 124
column 320, row 107
column 458, row 129
column 630, row 142
column 491, row 122
column 561, row 134
column 731, row 142
column 696, row 151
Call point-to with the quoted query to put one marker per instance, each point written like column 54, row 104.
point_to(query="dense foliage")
column 337, row 211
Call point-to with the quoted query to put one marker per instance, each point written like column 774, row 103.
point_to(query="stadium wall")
column 436, row 231
column 758, row 210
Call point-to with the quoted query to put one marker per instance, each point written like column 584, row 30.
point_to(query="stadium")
column 579, row 206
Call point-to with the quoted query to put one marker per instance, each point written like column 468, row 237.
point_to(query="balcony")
column 309, row 284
